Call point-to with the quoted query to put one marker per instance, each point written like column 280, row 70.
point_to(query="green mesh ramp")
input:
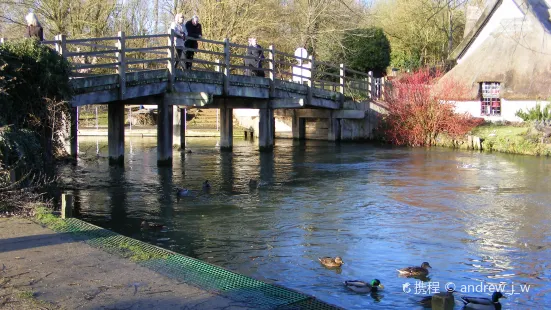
column 257, row 294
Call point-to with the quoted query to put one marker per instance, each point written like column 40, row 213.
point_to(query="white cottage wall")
column 508, row 109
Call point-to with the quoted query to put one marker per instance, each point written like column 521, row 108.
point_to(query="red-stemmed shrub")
column 419, row 110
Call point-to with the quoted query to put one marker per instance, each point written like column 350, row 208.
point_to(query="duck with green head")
column 364, row 287
column 483, row 303
column 331, row 262
column 415, row 271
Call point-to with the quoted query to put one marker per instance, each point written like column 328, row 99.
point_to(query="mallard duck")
column 206, row 185
column 483, row 303
column 415, row 271
column 331, row 262
column 364, row 287
column 253, row 183
column 151, row 225
column 426, row 301
column 181, row 192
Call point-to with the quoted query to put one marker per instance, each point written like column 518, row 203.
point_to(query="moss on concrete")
column 137, row 253
column 44, row 216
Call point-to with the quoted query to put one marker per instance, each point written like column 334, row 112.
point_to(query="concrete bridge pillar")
column 226, row 128
column 164, row 133
column 74, row 132
column 115, row 132
column 179, row 127
column 299, row 126
column 334, row 126
column 266, row 129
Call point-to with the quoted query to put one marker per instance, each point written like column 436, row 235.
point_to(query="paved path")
column 43, row 269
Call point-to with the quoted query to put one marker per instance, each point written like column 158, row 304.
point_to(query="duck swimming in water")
column 426, row 301
column 182, row 192
column 151, row 225
column 363, row 287
column 482, row 303
column 415, row 271
column 331, row 262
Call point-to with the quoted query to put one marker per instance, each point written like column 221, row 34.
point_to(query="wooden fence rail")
column 121, row 54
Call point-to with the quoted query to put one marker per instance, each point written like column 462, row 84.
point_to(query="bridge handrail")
column 128, row 56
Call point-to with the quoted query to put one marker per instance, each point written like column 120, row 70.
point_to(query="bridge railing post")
column 121, row 67
column 341, row 81
column 370, row 84
column 366, row 85
column 60, row 44
column 226, row 66
column 170, row 62
column 271, row 66
column 383, row 82
column 310, row 80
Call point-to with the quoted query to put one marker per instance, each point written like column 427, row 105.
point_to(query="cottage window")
column 491, row 104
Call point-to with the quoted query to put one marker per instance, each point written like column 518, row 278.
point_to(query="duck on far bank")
column 206, row 185
column 363, row 287
column 331, row 262
column 415, row 271
column 483, row 303
column 253, row 183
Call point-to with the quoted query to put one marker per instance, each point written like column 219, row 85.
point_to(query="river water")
column 478, row 219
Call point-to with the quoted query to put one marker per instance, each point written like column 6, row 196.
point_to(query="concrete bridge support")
column 115, row 132
column 74, row 132
column 226, row 128
column 266, row 129
column 298, row 126
column 164, row 133
column 179, row 127
column 334, row 126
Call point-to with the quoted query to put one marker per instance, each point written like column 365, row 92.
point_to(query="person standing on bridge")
column 254, row 50
column 179, row 36
column 34, row 29
column 194, row 31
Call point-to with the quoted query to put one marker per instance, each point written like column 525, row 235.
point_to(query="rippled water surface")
column 476, row 218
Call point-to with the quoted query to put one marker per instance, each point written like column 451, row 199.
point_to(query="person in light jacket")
column 194, row 30
column 179, row 36
column 34, row 29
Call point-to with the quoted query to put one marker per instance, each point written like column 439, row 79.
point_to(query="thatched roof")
column 517, row 54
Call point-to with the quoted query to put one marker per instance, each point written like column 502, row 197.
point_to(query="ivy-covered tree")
column 366, row 50
column 35, row 91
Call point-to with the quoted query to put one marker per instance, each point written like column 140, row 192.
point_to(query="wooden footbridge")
column 120, row 71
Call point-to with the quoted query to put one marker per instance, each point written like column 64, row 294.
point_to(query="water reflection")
column 117, row 192
column 380, row 208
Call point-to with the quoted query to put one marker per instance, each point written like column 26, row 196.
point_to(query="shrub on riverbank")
column 537, row 113
column 35, row 92
column 417, row 113
column 513, row 138
column 34, row 106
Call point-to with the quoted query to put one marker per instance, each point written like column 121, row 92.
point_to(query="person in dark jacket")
column 34, row 29
column 254, row 50
column 194, row 30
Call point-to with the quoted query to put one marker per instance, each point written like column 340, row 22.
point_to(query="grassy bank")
column 508, row 138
